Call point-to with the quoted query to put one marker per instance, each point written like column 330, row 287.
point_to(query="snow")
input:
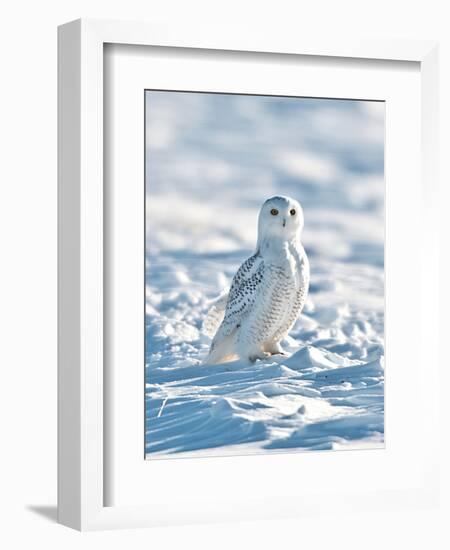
column 212, row 160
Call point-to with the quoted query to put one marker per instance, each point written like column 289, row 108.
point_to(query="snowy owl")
column 268, row 291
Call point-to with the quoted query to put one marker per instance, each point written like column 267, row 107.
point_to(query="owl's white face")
column 280, row 217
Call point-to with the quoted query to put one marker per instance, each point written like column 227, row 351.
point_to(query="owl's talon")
column 275, row 349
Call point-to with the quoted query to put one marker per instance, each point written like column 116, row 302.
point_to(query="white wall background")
column 28, row 269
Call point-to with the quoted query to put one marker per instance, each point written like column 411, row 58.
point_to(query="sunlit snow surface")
column 211, row 160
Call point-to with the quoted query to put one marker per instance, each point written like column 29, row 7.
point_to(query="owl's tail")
column 223, row 347
column 222, row 350
column 215, row 315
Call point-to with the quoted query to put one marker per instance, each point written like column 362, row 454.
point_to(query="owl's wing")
column 242, row 295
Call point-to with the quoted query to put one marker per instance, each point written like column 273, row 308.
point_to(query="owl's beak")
column 284, row 222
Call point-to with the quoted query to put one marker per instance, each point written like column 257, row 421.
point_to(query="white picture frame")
column 82, row 484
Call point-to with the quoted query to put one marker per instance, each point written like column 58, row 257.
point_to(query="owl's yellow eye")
column 274, row 212
column 292, row 212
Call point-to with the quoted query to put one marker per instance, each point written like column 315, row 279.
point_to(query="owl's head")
column 280, row 217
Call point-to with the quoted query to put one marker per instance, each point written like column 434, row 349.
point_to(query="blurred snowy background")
column 211, row 160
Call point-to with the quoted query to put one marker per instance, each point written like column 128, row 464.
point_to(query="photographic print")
column 264, row 274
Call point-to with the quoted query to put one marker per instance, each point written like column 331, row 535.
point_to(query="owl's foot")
column 275, row 349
